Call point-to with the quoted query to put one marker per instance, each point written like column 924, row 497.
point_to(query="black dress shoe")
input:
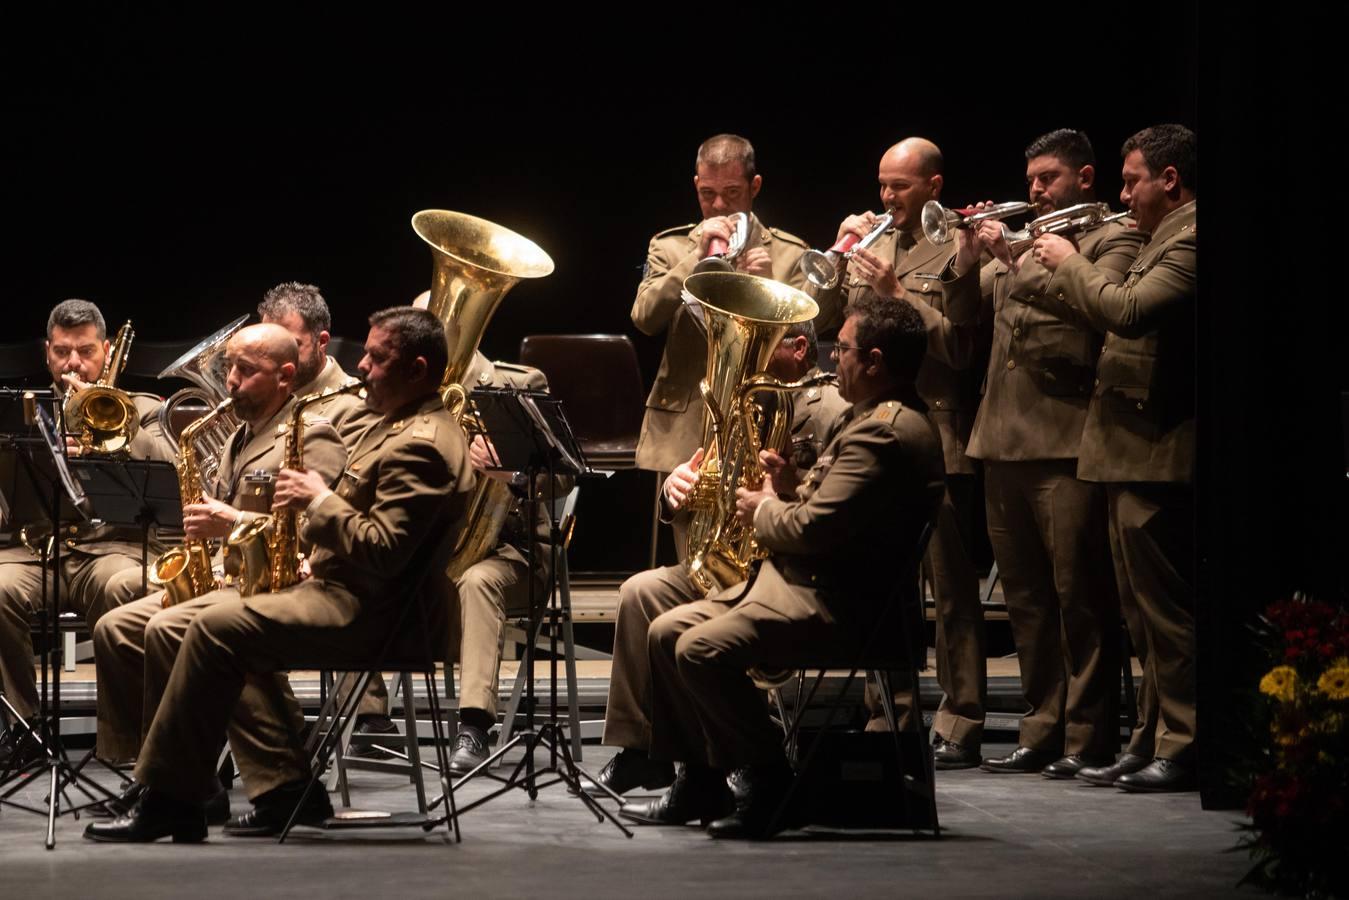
column 272, row 810
column 1104, row 776
column 218, row 808
column 697, row 793
column 950, row 755
column 1158, row 777
column 470, row 750
column 1021, row 761
column 154, row 815
column 19, row 748
column 381, row 726
column 630, row 769
column 761, row 789
column 1071, row 764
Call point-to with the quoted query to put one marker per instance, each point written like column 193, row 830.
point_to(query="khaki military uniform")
column 347, row 413
column 1139, row 440
column 1046, row 526
column 673, row 425
column 948, row 384
column 100, row 570
column 135, row 645
column 835, row 551
column 406, row 483
column 627, row 720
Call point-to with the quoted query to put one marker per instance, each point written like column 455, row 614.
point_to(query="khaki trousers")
column 1049, row 536
column 641, row 599
column 90, row 585
column 1144, row 734
column 1154, row 525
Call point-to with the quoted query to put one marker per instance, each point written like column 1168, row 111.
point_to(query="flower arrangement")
column 1298, row 835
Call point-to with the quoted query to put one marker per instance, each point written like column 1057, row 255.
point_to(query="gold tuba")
column 185, row 572
column 205, row 366
column 269, row 546
column 102, row 418
column 746, row 317
column 475, row 263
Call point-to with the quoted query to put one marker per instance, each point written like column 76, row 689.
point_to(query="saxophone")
column 185, row 572
column 269, row 546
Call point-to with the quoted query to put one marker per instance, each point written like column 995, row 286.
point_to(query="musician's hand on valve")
column 781, row 472
column 755, row 261
column 208, row 518
column 297, row 489
column 876, row 272
column 680, row 483
column 715, row 227
column 1051, row 250
column 747, row 501
column 73, row 382
column 483, row 456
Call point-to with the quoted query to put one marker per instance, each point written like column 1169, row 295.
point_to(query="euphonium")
column 746, row 317
column 185, row 572
column 269, row 546
column 205, row 366
column 821, row 266
column 1068, row 221
column 721, row 255
column 475, row 262
column 102, row 418
column 939, row 221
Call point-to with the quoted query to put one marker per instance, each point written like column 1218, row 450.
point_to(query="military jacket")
column 347, row 413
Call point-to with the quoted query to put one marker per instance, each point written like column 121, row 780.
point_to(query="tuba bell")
column 102, row 418
column 204, row 365
column 475, row 263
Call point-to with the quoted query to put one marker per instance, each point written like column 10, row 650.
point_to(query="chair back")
column 597, row 378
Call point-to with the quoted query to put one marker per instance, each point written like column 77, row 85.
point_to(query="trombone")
column 821, row 266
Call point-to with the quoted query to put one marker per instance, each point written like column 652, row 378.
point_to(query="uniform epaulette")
column 789, row 238
column 514, row 367
column 888, row 411
column 675, row 230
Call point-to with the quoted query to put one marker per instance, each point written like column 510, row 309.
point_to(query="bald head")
column 262, row 360
column 268, row 340
column 917, row 154
column 910, row 175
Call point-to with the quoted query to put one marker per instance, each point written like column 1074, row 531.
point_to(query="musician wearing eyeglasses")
column 100, row 564
column 1139, row 440
column 902, row 264
column 849, row 533
column 726, row 182
column 1046, row 525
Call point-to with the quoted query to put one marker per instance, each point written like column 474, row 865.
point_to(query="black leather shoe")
column 271, row 811
column 123, row 803
column 470, row 750
column 761, row 789
column 629, row 769
column 1021, row 761
column 1158, row 777
column 218, row 808
column 950, row 755
column 154, row 815
column 1104, row 776
column 373, row 725
column 699, row 794
column 1071, row 764
column 18, row 749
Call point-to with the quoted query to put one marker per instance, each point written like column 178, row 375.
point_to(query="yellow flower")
column 1279, row 683
column 1334, row 682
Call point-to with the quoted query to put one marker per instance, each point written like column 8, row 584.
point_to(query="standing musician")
column 406, row 483
column 902, row 265
column 135, row 645
column 861, row 507
column 1139, row 439
column 644, row 596
column 1047, row 527
column 100, row 564
column 726, row 182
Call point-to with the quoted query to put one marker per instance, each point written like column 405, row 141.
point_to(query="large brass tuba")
column 205, row 366
column 102, row 418
column 475, row 262
column 746, row 318
column 185, row 572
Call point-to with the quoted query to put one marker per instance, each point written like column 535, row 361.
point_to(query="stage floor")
column 1003, row 836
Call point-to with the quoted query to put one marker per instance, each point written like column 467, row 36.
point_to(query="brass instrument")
column 746, row 317
column 269, row 560
column 721, row 255
column 821, row 267
column 102, row 418
column 475, row 263
column 938, row 221
column 205, row 366
column 1068, row 221
column 185, row 572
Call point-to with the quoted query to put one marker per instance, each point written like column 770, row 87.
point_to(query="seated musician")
column 100, row 564
column 833, row 551
column 406, row 483
column 135, row 645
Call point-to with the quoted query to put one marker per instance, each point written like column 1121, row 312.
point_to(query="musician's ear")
column 417, row 369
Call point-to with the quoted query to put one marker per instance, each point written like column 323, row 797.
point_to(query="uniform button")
column 1011, row 364
column 70, row 544
column 1060, row 295
column 937, row 403
column 74, row 529
column 925, row 285
column 1098, row 382
column 1016, row 332
column 664, row 402
column 1140, row 405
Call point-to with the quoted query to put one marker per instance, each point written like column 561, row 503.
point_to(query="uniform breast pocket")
column 669, row 397
column 1062, row 358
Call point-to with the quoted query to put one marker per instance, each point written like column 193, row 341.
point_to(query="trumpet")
column 1065, row 222
column 821, row 267
column 938, row 221
column 721, row 255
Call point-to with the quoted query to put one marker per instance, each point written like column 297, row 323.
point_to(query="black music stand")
column 531, row 435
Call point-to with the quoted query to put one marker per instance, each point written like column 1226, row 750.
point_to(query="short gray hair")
column 71, row 314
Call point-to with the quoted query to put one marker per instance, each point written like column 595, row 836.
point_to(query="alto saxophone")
column 269, row 546
column 185, row 572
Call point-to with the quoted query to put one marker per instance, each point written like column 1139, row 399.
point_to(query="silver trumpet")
column 938, row 221
column 821, row 266
column 1066, row 222
column 721, row 255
